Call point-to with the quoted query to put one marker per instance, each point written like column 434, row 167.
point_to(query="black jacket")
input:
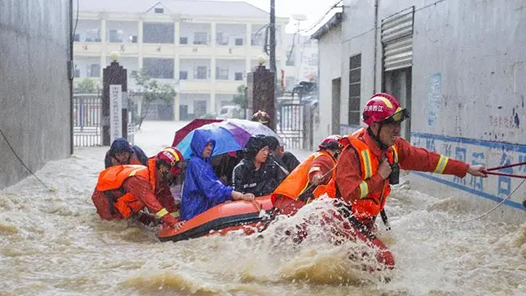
column 246, row 179
column 290, row 161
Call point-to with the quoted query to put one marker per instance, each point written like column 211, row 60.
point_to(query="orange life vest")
column 370, row 203
column 298, row 180
column 111, row 180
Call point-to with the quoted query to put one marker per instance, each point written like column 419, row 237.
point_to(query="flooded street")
column 54, row 243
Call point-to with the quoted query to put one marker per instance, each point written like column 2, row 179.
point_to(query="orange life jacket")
column 370, row 204
column 111, row 180
column 298, row 180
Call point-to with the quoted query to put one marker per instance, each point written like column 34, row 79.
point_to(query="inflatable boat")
column 251, row 217
column 221, row 219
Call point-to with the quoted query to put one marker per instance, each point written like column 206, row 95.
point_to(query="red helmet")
column 261, row 117
column 170, row 156
column 384, row 108
column 331, row 142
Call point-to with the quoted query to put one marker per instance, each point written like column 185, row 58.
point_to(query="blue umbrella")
column 227, row 136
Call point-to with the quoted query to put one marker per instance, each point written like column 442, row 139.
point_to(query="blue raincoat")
column 202, row 189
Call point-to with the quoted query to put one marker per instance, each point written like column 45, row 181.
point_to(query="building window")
column 183, row 40
column 115, row 36
column 200, row 38
column 221, row 38
column 201, row 72
column 159, row 10
column 76, row 37
column 238, row 76
column 158, row 33
column 159, row 68
column 92, row 35
column 239, row 41
column 93, row 70
column 183, row 75
column 76, row 72
column 355, row 66
column 222, row 73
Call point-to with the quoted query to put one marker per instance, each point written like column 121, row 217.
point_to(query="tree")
column 240, row 98
column 86, row 86
column 151, row 91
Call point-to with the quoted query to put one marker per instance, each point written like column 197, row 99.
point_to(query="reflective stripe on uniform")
column 364, row 189
column 163, row 212
column 366, row 156
column 134, row 172
column 441, row 165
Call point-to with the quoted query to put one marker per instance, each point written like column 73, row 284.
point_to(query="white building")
column 203, row 48
column 301, row 60
column 329, row 80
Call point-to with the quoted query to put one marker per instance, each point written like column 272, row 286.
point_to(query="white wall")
column 329, row 47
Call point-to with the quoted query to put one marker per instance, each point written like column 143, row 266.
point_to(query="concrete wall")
column 329, row 48
column 35, row 90
column 467, row 88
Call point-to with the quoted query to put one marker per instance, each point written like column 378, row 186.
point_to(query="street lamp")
column 262, row 60
column 115, row 55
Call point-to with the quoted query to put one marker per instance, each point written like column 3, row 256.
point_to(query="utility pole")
column 273, row 36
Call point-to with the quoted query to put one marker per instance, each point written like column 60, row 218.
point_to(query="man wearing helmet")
column 122, row 191
column 371, row 162
column 314, row 177
column 261, row 117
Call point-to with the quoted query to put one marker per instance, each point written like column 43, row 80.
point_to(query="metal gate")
column 87, row 125
column 291, row 125
column 87, row 119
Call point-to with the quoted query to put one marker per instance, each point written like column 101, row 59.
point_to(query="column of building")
column 177, row 68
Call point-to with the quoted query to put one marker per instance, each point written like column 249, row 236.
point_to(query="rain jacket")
column 289, row 160
column 202, row 189
column 137, row 156
column 258, row 182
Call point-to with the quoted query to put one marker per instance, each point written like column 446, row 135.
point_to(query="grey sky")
column 313, row 9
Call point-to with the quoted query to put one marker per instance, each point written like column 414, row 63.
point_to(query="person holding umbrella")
column 202, row 189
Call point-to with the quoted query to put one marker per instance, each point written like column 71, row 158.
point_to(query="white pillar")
column 177, row 101
column 139, row 42
column 213, row 70
column 103, row 42
column 248, row 48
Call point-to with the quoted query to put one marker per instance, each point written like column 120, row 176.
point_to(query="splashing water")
column 53, row 243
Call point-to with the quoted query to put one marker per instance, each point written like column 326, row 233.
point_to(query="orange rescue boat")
column 223, row 218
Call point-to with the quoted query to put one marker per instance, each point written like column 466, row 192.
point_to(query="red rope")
column 506, row 175
column 506, row 166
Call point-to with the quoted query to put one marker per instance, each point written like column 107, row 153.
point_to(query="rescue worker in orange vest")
column 372, row 159
column 122, row 191
column 311, row 179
